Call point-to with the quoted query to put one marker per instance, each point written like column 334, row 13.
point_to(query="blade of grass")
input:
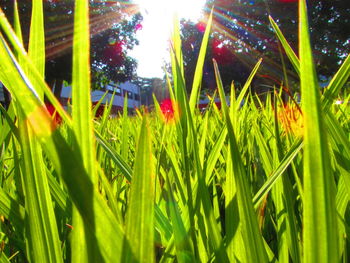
column 198, row 74
column 339, row 138
column 140, row 214
column 287, row 48
column 319, row 215
column 98, row 104
column 17, row 23
column 214, row 154
column 42, row 240
column 235, row 251
column 12, row 210
column 188, row 138
column 336, row 84
column 287, row 224
column 98, row 219
column 36, row 47
column 338, row 79
column 184, row 248
column 83, row 248
column 125, row 132
column 246, row 86
column 118, row 160
column 35, row 77
column 288, row 158
column 250, row 229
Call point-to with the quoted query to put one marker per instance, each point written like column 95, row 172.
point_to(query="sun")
column 187, row 9
column 156, row 30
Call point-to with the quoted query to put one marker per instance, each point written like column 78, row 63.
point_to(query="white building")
column 132, row 91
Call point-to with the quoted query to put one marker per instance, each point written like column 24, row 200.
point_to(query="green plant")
column 253, row 182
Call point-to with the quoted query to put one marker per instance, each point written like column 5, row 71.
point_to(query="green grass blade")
column 9, row 126
column 58, row 194
column 81, row 93
column 198, row 74
column 12, row 210
column 17, row 23
column 319, row 218
column 246, row 86
column 140, row 214
column 106, row 113
column 35, row 77
column 36, row 47
column 118, row 160
column 125, row 132
column 336, row 84
column 250, row 229
column 162, row 223
column 98, row 219
column 42, row 240
column 184, row 248
column 215, row 154
column 342, row 145
column 203, row 140
column 287, row 48
column 98, row 104
column 83, row 248
column 232, row 225
column 288, row 158
column 188, row 138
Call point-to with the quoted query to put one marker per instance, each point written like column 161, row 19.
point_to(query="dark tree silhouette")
column 242, row 34
column 112, row 27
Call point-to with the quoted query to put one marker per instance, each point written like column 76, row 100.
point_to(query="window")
column 129, row 93
column 114, row 89
column 118, row 91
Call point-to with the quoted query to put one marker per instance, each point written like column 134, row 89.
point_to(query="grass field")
column 268, row 181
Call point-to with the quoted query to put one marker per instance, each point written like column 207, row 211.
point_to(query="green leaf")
column 36, row 47
column 12, row 210
column 83, row 247
column 336, row 84
column 104, row 230
column 246, row 86
column 184, row 247
column 287, row 48
column 98, row 104
column 140, row 214
column 118, row 160
column 198, row 74
column 17, row 23
column 319, row 218
column 255, row 252
column 43, row 240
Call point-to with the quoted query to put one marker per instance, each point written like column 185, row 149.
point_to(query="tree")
column 231, row 68
column 242, row 34
column 112, row 26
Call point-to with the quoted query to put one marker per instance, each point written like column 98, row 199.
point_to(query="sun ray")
column 59, row 38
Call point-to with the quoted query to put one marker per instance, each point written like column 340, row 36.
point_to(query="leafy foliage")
column 242, row 34
column 113, row 27
column 246, row 182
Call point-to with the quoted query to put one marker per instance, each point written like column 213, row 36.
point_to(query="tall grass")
column 262, row 182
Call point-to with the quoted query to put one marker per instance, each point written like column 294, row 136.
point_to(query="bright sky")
column 156, row 27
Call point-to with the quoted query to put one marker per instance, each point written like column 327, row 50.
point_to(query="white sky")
column 155, row 32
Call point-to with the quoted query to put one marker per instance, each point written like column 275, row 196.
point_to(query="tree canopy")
column 242, row 34
column 113, row 27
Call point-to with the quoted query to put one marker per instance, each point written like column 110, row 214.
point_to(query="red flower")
column 167, row 109
column 53, row 113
